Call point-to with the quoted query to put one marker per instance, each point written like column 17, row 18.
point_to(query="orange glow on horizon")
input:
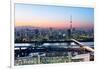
column 42, row 23
column 53, row 24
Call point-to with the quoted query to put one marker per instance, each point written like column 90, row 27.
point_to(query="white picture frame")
column 55, row 3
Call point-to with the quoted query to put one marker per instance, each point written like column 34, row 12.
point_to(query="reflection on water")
column 91, row 44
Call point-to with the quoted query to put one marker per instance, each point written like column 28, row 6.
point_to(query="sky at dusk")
column 53, row 16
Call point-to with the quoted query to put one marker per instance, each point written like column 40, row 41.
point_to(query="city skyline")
column 53, row 16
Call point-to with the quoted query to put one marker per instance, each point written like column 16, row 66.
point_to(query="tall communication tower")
column 70, row 28
column 71, row 23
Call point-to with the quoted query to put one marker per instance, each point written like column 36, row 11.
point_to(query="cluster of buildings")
column 38, row 34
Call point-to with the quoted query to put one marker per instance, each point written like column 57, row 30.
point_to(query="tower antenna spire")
column 71, row 22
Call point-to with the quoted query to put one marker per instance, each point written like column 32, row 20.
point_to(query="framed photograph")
column 51, row 33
